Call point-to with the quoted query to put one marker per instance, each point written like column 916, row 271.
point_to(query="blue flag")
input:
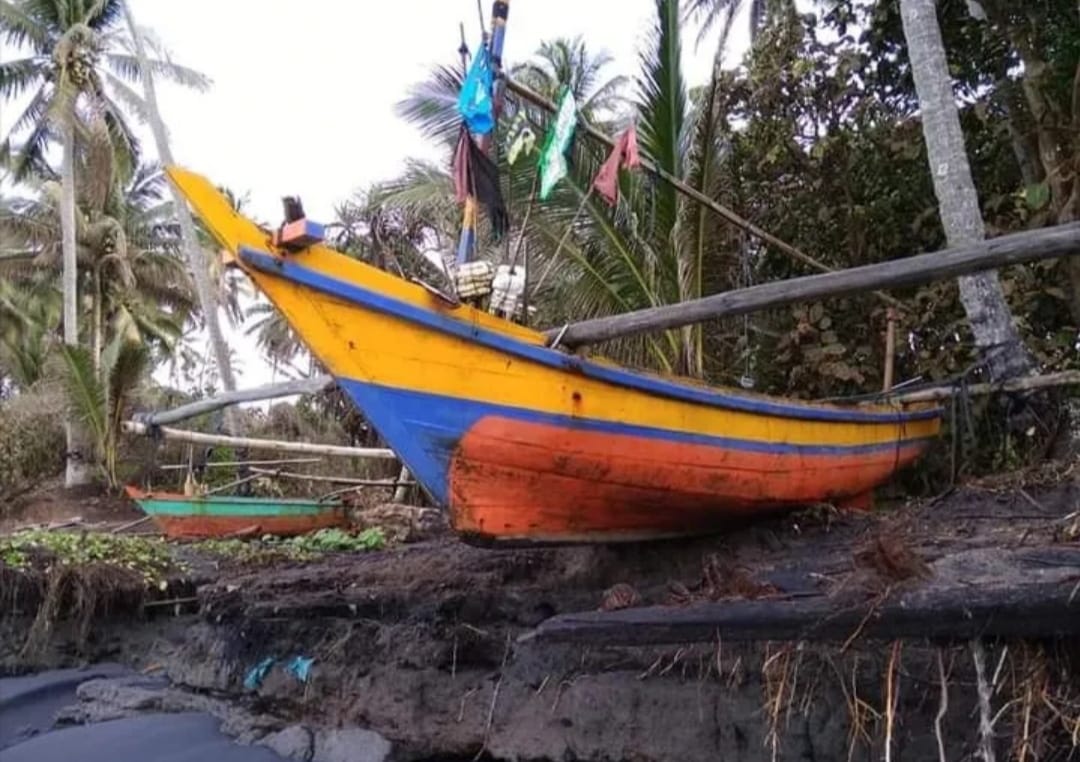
column 474, row 101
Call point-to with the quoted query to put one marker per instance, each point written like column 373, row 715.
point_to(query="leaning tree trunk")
column 981, row 294
column 78, row 470
column 196, row 258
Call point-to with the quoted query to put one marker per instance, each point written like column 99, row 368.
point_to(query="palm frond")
column 27, row 159
column 86, row 396
column 21, row 28
column 127, row 95
column 124, row 374
column 96, row 164
column 126, row 66
column 431, row 105
column 698, row 230
column 125, row 144
column 422, row 189
column 34, row 112
column 104, row 15
column 662, row 93
column 16, row 77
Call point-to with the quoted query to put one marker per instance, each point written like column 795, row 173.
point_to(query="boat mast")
column 500, row 10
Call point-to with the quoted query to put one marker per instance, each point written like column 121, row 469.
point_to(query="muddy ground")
column 426, row 644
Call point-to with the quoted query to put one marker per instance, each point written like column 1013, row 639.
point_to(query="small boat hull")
column 524, row 444
column 181, row 516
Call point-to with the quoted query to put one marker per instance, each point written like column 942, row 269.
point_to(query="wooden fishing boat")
column 179, row 515
column 523, row 443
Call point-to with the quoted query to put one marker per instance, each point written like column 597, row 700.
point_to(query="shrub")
column 31, row 440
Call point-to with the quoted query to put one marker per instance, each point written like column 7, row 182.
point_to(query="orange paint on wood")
column 513, row 480
column 218, row 526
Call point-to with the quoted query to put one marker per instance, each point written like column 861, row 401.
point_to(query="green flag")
column 553, row 156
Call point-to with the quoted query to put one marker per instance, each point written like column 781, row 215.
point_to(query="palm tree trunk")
column 77, row 470
column 196, row 257
column 981, row 294
column 97, row 328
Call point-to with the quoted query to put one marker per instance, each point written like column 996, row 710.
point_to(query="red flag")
column 625, row 154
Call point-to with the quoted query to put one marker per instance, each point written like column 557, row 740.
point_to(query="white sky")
column 303, row 95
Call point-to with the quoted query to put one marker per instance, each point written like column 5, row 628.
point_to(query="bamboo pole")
column 269, row 391
column 527, row 93
column 238, row 463
column 1022, row 384
column 331, row 479
column 195, row 437
column 1016, row 248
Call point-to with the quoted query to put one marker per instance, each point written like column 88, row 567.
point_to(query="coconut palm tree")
column 984, row 302
column 570, row 62
column 75, row 59
column 709, row 13
column 128, row 272
column 29, row 318
column 196, row 256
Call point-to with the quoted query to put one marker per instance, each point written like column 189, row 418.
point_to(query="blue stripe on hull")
column 291, row 271
column 423, row 429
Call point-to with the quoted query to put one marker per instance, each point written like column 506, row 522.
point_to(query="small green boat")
column 189, row 516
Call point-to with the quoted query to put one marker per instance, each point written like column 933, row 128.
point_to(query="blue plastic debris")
column 257, row 674
column 300, row 667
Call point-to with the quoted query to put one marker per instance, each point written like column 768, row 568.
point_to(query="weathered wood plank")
column 1017, row 248
column 269, row 391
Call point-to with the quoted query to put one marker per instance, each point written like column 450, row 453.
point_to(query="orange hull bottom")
column 517, row 482
column 220, row 526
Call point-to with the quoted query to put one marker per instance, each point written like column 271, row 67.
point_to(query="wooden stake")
column 890, row 350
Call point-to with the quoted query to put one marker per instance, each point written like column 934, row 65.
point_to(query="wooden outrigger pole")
column 270, row 391
column 1016, row 248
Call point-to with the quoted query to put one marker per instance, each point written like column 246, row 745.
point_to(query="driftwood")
column 1028, row 246
column 526, row 93
column 195, row 437
column 1048, row 605
column 1031, row 610
column 270, row 391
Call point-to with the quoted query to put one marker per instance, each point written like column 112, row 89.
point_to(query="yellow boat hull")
column 522, row 443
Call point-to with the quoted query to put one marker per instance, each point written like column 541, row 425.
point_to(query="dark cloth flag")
column 475, row 174
column 625, row 154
